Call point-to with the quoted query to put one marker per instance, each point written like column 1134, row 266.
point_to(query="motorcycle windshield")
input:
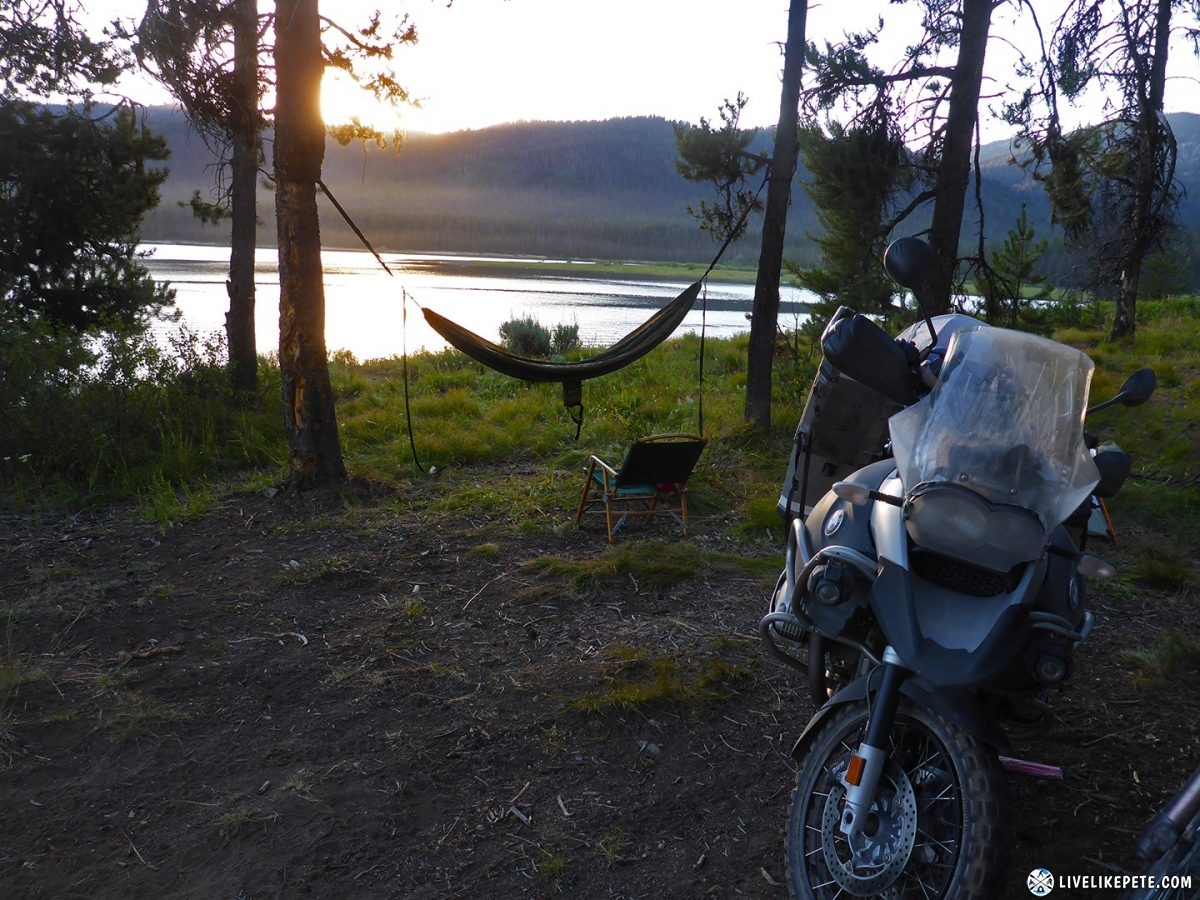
column 1005, row 419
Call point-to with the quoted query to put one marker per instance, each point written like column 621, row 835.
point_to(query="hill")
column 604, row 190
column 583, row 189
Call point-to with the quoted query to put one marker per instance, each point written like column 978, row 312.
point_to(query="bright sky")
column 483, row 62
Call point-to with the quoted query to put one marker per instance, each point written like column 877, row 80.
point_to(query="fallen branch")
column 127, row 657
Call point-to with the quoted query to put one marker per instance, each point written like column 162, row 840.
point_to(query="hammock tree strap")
column 412, row 443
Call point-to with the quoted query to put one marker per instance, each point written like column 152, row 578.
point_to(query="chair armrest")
column 608, row 476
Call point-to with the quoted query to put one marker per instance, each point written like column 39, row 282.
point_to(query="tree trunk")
column 765, row 313
column 1146, row 175
column 239, row 321
column 316, row 454
column 954, row 169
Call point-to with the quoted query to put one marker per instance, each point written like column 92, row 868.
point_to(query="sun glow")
column 494, row 63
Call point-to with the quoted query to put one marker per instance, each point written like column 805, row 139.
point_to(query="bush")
column 566, row 338
column 529, row 337
column 526, row 336
column 111, row 415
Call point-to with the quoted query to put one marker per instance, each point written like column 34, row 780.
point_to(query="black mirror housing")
column 907, row 261
column 1138, row 388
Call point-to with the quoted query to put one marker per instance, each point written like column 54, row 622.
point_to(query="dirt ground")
column 321, row 696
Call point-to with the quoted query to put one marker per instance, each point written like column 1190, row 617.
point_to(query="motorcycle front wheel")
column 1182, row 859
column 938, row 828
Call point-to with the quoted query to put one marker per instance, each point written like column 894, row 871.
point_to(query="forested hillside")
column 581, row 189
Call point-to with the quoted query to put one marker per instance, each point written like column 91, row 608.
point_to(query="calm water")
column 365, row 309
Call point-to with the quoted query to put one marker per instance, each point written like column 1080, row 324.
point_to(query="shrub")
column 526, row 336
column 114, row 415
column 565, row 338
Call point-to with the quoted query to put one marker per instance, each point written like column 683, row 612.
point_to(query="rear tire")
column 940, row 822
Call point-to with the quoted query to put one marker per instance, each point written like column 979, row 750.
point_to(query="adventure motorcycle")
column 934, row 595
column 1170, row 846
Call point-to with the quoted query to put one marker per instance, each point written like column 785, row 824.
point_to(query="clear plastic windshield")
column 1006, row 420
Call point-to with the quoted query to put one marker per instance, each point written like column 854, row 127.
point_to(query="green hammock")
column 634, row 345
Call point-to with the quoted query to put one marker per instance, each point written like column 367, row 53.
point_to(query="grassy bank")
column 172, row 442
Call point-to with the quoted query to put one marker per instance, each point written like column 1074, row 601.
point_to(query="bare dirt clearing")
column 321, row 696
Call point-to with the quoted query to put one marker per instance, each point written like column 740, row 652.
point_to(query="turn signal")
column 852, row 492
column 1091, row 566
column 854, row 772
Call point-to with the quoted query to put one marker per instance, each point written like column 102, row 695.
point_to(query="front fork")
column 861, row 778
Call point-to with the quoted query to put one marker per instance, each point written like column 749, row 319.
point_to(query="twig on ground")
column 484, row 588
column 139, row 854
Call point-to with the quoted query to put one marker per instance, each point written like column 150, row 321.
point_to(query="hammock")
column 633, row 346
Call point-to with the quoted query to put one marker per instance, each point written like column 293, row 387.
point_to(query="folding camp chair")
column 655, row 468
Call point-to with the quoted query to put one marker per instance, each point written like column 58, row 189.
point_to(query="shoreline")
column 532, row 266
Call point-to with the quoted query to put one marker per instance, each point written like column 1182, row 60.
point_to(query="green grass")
column 652, row 565
column 639, row 681
column 244, row 821
column 505, row 450
column 682, row 271
column 609, row 847
column 1176, row 655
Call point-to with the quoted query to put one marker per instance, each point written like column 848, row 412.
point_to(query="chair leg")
column 587, row 489
column 683, row 509
column 608, row 514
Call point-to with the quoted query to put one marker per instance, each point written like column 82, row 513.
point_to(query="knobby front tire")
column 1181, row 858
column 939, row 827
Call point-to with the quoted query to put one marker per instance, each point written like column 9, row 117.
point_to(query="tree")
column 855, row 173
column 938, row 105
column 208, row 56
column 721, row 157
column 308, row 409
column 45, row 51
column 765, row 312
column 74, row 187
column 1014, row 264
column 186, row 45
column 75, row 180
column 1112, row 185
column 187, row 41
column 244, row 125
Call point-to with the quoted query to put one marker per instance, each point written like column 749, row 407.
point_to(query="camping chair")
column 654, row 469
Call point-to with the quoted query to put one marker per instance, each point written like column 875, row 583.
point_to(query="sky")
column 484, row 62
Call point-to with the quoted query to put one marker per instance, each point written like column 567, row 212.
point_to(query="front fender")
column 958, row 706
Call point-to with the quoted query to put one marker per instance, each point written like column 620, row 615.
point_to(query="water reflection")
column 365, row 307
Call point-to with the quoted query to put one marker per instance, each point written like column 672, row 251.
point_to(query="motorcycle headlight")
column 957, row 522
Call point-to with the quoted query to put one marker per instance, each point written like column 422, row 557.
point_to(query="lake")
column 364, row 308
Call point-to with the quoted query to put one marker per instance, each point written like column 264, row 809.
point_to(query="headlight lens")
column 957, row 522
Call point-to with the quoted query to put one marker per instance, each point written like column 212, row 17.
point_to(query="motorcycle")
column 934, row 594
column 1170, row 847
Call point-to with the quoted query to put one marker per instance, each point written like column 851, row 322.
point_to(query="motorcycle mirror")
column 1136, row 390
column 907, row 261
